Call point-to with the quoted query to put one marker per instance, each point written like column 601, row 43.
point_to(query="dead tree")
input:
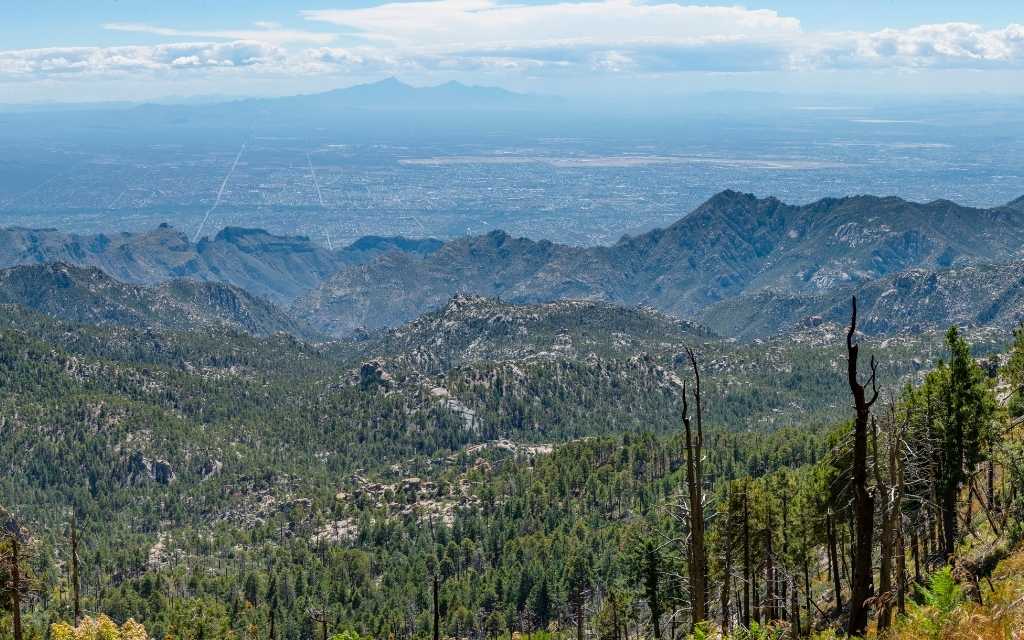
column 75, row 585
column 885, row 535
column 746, row 555
column 319, row 614
column 861, row 584
column 437, row 610
column 727, row 574
column 694, row 485
column 771, row 612
column 833, row 557
column 14, row 561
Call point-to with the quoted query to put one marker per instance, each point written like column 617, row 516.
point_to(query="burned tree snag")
column 863, row 502
column 75, row 586
column 694, row 481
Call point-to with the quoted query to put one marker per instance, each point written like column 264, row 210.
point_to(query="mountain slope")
column 915, row 300
column 734, row 244
column 393, row 94
column 276, row 267
column 89, row 296
column 472, row 329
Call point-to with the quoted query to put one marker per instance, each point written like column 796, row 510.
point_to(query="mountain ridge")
column 735, row 249
column 88, row 295
column 278, row 268
column 731, row 245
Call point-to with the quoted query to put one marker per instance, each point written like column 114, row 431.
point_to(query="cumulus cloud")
column 949, row 45
column 588, row 36
column 956, row 44
column 621, row 36
column 454, row 25
column 91, row 61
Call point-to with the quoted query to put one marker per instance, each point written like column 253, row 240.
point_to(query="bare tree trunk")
column 807, row 595
column 726, row 578
column 949, row 524
column 437, row 611
column 926, row 540
column 901, row 574
column 794, row 618
column 783, row 575
column 694, row 483
column 758, row 603
column 915, row 551
column 747, row 574
column 75, row 588
column 863, row 503
column 16, row 587
column 769, row 572
column 885, row 541
column 579, row 620
column 990, row 497
column 833, row 553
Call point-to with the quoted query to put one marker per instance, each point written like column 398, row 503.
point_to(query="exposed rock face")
column 141, row 468
column 910, row 301
column 162, row 472
column 741, row 265
column 9, row 526
column 733, row 245
column 373, row 376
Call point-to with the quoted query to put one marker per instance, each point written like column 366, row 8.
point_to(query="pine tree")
column 966, row 426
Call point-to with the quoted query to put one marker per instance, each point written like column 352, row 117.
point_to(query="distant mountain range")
column 392, row 93
column 385, row 107
column 87, row 295
column 740, row 265
column 733, row 245
column 278, row 268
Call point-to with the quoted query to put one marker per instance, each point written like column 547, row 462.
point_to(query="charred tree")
column 746, row 556
column 694, row 485
column 863, row 502
column 15, row 561
column 75, row 584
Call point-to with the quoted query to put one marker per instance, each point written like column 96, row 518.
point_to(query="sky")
column 74, row 51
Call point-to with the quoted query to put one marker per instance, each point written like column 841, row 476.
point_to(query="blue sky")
column 144, row 49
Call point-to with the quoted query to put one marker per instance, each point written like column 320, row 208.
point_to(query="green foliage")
column 939, row 601
column 757, row 631
column 1014, row 373
column 942, row 593
column 291, row 487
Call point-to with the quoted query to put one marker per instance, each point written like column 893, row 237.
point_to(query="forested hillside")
column 573, row 469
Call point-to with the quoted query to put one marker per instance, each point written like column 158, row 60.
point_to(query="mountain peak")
column 1016, row 204
column 234, row 234
column 729, row 197
column 390, row 81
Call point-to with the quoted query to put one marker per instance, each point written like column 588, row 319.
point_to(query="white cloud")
column 949, row 45
column 456, row 25
column 560, row 39
column 93, row 61
column 268, row 32
column 956, row 44
column 635, row 36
